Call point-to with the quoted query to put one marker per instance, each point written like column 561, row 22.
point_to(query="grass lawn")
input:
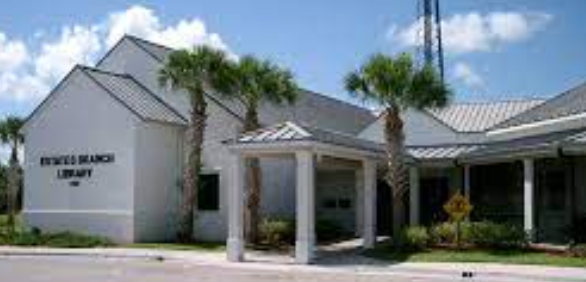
column 198, row 246
column 494, row 256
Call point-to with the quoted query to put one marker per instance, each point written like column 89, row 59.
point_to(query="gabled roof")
column 311, row 108
column 158, row 51
column 134, row 96
column 479, row 117
column 292, row 132
column 569, row 103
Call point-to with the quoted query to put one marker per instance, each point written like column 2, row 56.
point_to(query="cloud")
column 475, row 32
column 27, row 75
column 142, row 22
column 13, row 53
column 76, row 44
column 464, row 73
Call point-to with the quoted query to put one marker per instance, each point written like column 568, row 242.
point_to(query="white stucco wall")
column 278, row 182
column 158, row 171
column 421, row 129
column 128, row 58
column 81, row 119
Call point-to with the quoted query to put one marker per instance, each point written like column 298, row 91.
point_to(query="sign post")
column 458, row 208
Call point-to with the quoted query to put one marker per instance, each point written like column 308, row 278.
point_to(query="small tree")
column 10, row 135
column 255, row 81
column 396, row 85
column 196, row 71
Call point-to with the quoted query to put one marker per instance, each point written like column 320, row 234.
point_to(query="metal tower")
column 428, row 11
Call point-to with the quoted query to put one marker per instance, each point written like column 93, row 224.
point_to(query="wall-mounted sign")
column 76, row 167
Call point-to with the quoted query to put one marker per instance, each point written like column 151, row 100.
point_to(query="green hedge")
column 482, row 234
column 56, row 240
column 579, row 250
column 415, row 238
column 281, row 231
column 277, row 232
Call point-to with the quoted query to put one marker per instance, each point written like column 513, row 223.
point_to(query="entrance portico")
column 308, row 146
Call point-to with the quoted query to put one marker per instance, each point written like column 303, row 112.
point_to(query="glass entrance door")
column 434, row 194
column 553, row 202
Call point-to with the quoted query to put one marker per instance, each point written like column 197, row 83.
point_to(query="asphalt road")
column 87, row 269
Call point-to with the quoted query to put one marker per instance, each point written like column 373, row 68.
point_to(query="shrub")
column 328, row 230
column 415, row 238
column 578, row 251
column 494, row 235
column 73, row 240
column 57, row 240
column 25, row 239
column 483, row 234
column 277, row 232
column 443, row 233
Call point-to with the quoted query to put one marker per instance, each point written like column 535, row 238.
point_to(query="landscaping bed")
column 195, row 246
column 483, row 242
column 518, row 256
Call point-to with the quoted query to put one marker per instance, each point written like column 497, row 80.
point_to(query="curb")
column 408, row 270
column 61, row 253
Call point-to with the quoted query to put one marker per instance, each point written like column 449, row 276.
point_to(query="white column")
column 305, row 238
column 528, row 192
column 359, row 207
column 369, row 196
column 414, row 196
column 235, row 242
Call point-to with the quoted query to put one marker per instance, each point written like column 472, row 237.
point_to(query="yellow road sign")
column 458, row 207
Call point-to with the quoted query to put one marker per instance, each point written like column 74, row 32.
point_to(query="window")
column 337, row 203
column 209, row 193
column 344, row 203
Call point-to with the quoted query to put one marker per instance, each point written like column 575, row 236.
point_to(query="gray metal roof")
column 291, row 131
column 568, row 103
column 311, row 108
column 543, row 142
column 478, row 117
column 134, row 96
column 440, row 152
column 158, row 51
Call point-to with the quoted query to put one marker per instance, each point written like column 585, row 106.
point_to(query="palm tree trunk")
column 397, row 174
column 12, row 189
column 192, row 171
column 253, row 179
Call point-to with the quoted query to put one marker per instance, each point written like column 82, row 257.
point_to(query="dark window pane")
column 209, row 193
column 329, row 203
column 344, row 203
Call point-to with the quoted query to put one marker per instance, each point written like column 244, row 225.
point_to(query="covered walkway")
column 308, row 146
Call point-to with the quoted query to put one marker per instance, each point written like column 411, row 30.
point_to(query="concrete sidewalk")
column 342, row 263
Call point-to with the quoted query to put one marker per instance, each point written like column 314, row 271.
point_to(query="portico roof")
column 290, row 134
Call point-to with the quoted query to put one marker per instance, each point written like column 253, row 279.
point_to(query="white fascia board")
column 289, row 147
column 80, row 211
column 536, row 125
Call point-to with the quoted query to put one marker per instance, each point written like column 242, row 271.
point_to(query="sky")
column 495, row 49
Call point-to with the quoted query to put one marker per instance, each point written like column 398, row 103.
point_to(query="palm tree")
column 197, row 71
column 10, row 135
column 396, row 84
column 255, row 81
